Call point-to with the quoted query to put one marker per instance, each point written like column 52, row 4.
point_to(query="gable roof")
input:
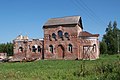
column 64, row 21
column 87, row 34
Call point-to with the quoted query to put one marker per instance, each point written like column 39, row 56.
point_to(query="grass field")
column 100, row 69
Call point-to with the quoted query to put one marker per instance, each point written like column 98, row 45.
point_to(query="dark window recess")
column 33, row 49
column 54, row 35
column 21, row 49
column 70, row 48
column 66, row 35
column 51, row 48
column 60, row 34
column 39, row 49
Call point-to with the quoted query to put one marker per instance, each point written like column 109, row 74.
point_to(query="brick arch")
column 60, row 28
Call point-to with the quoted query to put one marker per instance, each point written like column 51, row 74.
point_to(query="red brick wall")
column 27, row 49
column 61, row 46
column 73, row 31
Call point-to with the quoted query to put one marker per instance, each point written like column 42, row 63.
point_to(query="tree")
column 103, row 47
column 115, row 24
column 7, row 48
column 109, row 27
column 2, row 48
column 111, row 38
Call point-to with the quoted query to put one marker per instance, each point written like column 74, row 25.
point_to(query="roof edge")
column 66, row 20
column 87, row 34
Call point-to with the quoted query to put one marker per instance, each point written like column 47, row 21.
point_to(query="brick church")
column 64, row 38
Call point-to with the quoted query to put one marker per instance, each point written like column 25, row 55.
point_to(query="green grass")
column 57, row 69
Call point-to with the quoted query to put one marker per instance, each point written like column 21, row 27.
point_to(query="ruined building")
column 64, row 38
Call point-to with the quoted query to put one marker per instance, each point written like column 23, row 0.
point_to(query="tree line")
column 110, row 43
column 7, row 48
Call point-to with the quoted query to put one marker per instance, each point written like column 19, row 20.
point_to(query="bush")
column 108, row 71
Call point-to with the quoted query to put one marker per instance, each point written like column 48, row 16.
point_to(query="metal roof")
column 63, row 21
column 87, row 34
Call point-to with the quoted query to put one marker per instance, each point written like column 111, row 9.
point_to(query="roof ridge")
column 65, row 17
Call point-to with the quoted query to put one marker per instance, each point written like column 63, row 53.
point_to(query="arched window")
column 94, row 48
column 54, row 35
column 51, row 48
column 70, row 48
column 66, row 35
column 21, row 49
column 33, row 49
column 39, row 49
column 60, row 34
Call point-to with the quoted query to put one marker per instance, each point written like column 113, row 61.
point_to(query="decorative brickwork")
column 64, row 38
column 25, row 48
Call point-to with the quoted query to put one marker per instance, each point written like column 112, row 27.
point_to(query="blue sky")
column 27, row 17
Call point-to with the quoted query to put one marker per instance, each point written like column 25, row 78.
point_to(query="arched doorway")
column 60, row 52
